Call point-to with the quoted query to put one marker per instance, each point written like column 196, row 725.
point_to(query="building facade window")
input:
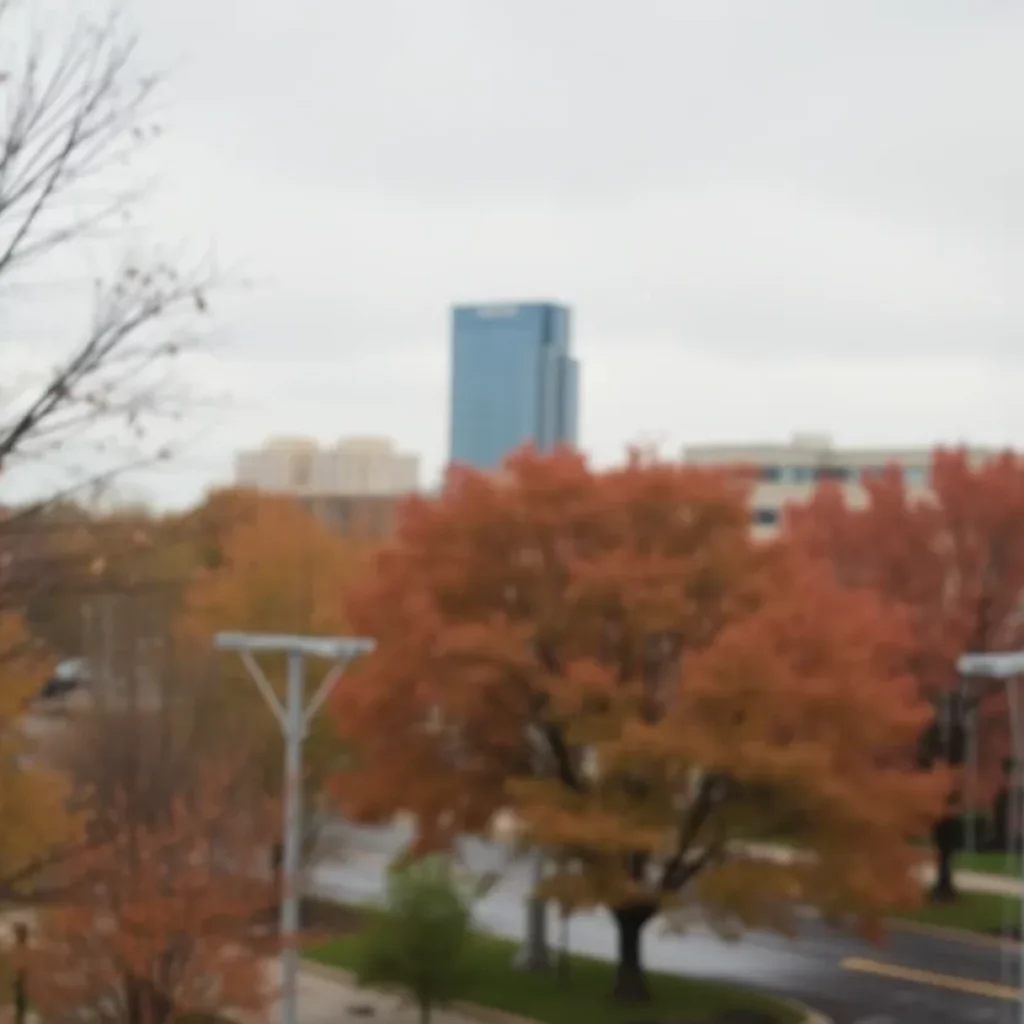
column 302, row 470
column 796, row 474
column 766, row 516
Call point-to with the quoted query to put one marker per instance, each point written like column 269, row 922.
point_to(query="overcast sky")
column 767, row 217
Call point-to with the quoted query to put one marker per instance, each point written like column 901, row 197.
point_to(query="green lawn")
column 491, row 981
column 988, row 863
column 973, row 911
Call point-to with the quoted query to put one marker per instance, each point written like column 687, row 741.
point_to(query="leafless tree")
column 151, row 716
column 174, row 854
column 154, row 717
column 74, row 112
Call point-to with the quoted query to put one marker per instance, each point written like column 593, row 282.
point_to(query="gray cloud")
column 574, row 96
column 767, row 217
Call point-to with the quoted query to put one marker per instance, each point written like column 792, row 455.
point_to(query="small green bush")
column 417, row 943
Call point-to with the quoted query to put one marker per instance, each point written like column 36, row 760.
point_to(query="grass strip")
column 982, row 912
column 583, row 996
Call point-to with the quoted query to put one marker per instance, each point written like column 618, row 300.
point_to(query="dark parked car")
column 69, row 675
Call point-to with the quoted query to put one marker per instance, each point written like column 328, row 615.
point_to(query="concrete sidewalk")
column 375, row 842
column 976, row 881
column 328, row 995
column 965, row 881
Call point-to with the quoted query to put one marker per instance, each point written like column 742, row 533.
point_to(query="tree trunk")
column 1000, row 840
column 20, row 982
column 20, row 997
column 945, row 836
column 630, row 979
column 145, row 1003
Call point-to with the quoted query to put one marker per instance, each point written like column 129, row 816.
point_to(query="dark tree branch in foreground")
column 73, row 114
column 73, row 110
column 109, row 375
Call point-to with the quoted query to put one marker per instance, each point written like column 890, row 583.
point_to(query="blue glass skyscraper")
column 514, row 381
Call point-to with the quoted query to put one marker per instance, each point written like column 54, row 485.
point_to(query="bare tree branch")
column 73, row 111
column 103, row 377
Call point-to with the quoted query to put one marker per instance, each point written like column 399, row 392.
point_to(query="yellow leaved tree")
column 280, row 571
column 33, row 794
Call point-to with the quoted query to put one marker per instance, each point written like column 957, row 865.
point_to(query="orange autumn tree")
column 613, row 656
column 33, row 795
column 164, row 914
column 220, row 513
column 953, row 561
column 278, row 570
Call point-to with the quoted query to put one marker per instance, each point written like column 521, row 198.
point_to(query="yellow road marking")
column 951, row 981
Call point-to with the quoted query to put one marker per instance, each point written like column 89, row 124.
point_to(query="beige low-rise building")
column 354, row 467
column 788, row 473
column 356, row 487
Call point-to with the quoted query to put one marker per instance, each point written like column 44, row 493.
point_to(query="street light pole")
column 294, row 718
column 1008, row 668
column 532, row 955
column 295, row 734
column 971, row 786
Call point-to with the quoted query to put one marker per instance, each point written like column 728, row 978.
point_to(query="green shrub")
column 417, row 943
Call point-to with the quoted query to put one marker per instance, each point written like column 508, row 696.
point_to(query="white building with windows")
column 788, row 473
column 354, row 467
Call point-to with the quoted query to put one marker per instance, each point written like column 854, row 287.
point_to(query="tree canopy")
column 162, row 914
column 273, row 568
column 32, row 794
column 612, row 655
column 952, row 562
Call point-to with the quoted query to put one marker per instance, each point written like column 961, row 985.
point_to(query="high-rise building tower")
column 514, row 381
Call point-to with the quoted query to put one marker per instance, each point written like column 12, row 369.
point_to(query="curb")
column 484, row 1014
column 489, row 1015
column 982, row 940
column 938, row 931
column 810, row 1015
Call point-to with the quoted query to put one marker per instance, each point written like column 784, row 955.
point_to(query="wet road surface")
column 912, row 978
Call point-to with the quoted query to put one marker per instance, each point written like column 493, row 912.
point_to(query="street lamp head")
column 331, row 648
column 991, row 666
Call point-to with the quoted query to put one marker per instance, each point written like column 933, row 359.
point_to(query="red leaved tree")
column 613, row 656
column 954, row 563
column 164, row 913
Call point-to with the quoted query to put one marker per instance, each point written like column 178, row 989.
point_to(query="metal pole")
column 532, row 955
column 1008, row 667
column 1013, row 699
column 1021, row 921
column 295, row 729
column 971, row 810
column 1006, row 913
column 1018, row 781
column 294, row 719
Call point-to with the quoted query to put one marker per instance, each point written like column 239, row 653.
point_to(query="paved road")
column 910, row 979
